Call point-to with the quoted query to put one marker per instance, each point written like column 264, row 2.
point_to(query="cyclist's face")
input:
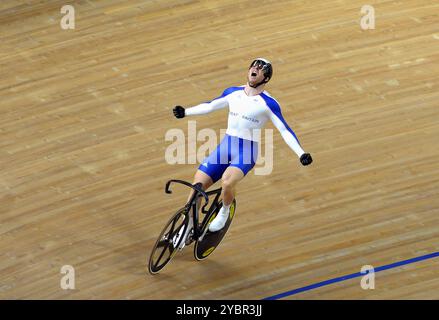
column 255, row 73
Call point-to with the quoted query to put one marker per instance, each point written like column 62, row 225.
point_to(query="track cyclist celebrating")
column 250, row 107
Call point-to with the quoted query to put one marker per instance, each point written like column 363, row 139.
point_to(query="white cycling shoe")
column 220, row 220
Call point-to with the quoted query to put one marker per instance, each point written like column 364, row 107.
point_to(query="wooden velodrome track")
column 84, row 115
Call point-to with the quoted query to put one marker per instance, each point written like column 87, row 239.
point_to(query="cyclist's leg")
column 204, row 179
column 213, row 166
column 229, row 180
column 243, row 159
column 211, row 170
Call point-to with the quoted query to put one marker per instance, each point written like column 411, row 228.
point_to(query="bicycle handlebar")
column 196, row 187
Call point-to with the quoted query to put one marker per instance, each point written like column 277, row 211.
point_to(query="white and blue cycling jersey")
column 247, row 116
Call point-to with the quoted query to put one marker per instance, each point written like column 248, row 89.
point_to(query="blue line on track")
column 351, row 276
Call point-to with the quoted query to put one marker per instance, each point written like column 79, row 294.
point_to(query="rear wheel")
column 209, row 241
column 168, row 242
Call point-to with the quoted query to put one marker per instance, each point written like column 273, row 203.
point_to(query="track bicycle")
column 180, row 231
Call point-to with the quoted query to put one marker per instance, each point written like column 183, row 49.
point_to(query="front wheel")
column 209, row 241
column 168, row 242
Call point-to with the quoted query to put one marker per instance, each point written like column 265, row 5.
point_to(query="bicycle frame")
column 193, row 204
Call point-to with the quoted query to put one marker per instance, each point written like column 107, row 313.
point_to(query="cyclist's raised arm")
column 207, row 107
column 275, row 115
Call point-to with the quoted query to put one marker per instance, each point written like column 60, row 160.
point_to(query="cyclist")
column 250, row 107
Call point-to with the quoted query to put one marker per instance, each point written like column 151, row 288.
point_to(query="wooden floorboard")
column 84, row 114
